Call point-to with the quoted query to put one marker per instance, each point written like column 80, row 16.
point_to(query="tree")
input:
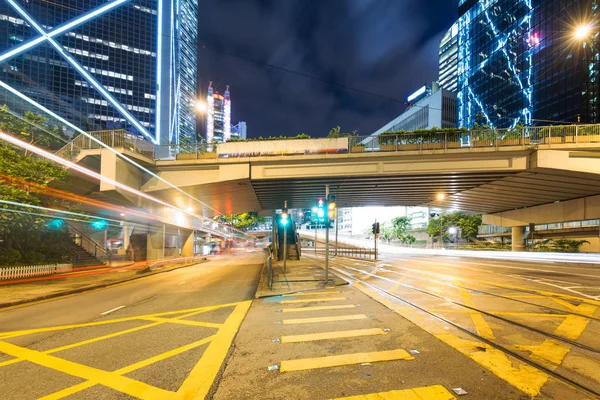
column 401, row 225
column 334, row 132
column 32, row 128
column 386, row 231
column 23, row 234
column 243, row 221
column 468, row 224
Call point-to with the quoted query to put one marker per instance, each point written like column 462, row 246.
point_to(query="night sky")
column 388, row 47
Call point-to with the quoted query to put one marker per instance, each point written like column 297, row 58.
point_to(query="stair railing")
column 88, row 244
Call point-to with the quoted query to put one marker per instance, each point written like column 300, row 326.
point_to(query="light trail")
column 102, row 144
column 100, row 177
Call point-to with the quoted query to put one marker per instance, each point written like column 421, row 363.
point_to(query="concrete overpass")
column 494, row 180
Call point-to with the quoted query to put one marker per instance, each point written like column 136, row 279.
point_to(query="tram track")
column 590, row 387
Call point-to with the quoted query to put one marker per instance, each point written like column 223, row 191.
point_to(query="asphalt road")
column 139, row 339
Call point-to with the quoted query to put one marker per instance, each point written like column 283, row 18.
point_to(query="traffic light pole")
column 375, row 234
column 326, row 235
column 285, row 249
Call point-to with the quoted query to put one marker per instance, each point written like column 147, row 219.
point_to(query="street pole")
column 337, row 221
column 315, row 227
column 285, row 249
column 164, row 238
column 327, row 234
column 375, row 239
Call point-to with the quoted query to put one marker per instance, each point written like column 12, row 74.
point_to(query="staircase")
column 84, row 251
column 81, row 257
column 292, row 240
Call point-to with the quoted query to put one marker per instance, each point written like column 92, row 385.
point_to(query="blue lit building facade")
column 519, row 64
column 103, row 64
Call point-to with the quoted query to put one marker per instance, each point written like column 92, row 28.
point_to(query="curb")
column 89, row 288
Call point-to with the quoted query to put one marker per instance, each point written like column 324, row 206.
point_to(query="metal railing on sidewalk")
column 351, row 252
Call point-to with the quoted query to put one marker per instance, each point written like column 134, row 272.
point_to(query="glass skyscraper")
column 104, row 64
column 448, row 62
column 518, row 62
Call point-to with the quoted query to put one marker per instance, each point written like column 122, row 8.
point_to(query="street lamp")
column 440, row 196
column 201, row 107
column 582, row 32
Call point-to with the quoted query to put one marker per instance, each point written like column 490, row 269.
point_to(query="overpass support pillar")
column 155, row 249
column 187, row 240
column 518, row 238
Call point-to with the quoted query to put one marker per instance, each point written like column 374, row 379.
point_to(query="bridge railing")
column 484, row 138
column 446, row 139
column 495, row 230
column 118, row 138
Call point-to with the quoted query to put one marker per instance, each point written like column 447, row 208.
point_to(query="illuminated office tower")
column 127, row 64
column 218, row 118
column 519, row 62
column 448, row 61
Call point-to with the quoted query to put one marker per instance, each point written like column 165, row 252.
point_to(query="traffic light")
column 320, row 210
column 284, row 217
column 331, row 207
column 375, row 228
column 99, row 224
column 55, row 224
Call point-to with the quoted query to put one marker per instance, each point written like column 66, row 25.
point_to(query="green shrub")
column 10, row 257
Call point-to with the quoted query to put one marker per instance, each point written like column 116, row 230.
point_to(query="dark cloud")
column 388, row 47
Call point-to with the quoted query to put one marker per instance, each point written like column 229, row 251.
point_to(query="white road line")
column 113, row 310
column 180, row 283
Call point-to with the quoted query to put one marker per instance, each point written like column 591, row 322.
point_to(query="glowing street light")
column 440, row 196
column 201, row 107
column 452, row 230
column 582, row 32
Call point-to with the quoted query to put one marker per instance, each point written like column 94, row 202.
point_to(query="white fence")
column 27, row 271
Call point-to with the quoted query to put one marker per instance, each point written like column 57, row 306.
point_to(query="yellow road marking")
column 109, row 379
column 506, row 313
column 436, row 392
column 202, row 376
column 525, row 378
column 313, row 300
column 112, row 321
column 310, row 294
column 550, row 353
column 332, row 335
column 318, row 308
column 109, row 336
column 130, row 368
column 572, row 327
column 480, row 324
column 126, row 385
column 323, row 319
column 583, row 309
column 345, row 359
column 183, row 322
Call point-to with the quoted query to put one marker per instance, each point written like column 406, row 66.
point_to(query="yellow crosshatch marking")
column 195, row 386
column 436, row 392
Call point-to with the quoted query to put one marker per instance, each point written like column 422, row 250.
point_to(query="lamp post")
column 441, row 197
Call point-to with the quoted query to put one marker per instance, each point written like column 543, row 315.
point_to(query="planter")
column 570, row 139
column 510, row 142
column 453, row 145
column 588, row 139
column 387, row 147
column 357, row 149
column 433, row 146
column 552, row 140
column 483, row 143
column 185, row 156
column 408, row 147
column 204, row 156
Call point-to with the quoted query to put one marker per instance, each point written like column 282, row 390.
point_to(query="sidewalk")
column 20, row 291
column 331, row 343
column 300, row 275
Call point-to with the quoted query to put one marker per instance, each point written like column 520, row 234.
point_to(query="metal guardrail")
column 351, row 252
column 448, row 139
